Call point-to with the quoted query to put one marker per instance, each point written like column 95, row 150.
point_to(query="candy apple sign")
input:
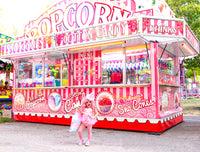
column 69, row 15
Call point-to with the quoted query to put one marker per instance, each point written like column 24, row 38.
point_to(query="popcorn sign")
column 74, row 19
column 70, row 15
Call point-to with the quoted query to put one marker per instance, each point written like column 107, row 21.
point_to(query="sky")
column 15, row 14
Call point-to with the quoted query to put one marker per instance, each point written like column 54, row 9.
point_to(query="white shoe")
column 87, row 143
column 81, row 142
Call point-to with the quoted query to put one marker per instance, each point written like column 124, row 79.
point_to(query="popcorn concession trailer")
column 127, row 56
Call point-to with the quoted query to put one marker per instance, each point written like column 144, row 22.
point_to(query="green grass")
column 3, row 120
column 191, row 106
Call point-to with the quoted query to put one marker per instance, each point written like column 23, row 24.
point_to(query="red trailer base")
column 161, row 126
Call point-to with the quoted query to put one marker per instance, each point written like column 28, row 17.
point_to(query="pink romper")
column 86, row 119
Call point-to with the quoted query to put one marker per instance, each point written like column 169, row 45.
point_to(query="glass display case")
column 112, row 66
column 45, row 71
column 137, row 66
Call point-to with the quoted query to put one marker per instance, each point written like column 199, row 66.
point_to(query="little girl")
column 89, row 114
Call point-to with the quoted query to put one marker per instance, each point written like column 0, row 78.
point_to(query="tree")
column 192, row 64
column 189, row 10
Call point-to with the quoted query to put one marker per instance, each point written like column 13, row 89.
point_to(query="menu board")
column 87, row 68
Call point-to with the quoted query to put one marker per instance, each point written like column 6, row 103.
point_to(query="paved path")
column 36, row 137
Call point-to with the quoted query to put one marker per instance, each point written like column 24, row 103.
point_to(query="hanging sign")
column 79, row 21
column 163, row 27
column 191, row 38
column 70, row 15
column 72, row 38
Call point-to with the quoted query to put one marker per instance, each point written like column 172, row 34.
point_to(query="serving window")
column 53, row 71
column 112, row 66
column 137, row 65
column 49, row 71
column 30, row 73
column 168, row 65
column 129, row 65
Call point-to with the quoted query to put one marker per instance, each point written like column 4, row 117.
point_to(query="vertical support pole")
column 183, row 74
column 43, row 69
column 71, row 74
column 124, row 65
column 155, row 76
column 15, row 74
column 8, row 77
column 178, row 75
column 61, row 74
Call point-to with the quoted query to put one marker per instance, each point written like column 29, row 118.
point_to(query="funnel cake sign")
column 70, row 15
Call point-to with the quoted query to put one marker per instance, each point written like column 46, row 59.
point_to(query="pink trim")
column 154, row 75
column 170, row 25
column 27, row 55
column 156, row 78
column 155, row 23
column 136, row 125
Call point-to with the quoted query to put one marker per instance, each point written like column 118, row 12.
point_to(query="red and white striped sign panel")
column 87, row 68
column 162, row 27
column 191, row 38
